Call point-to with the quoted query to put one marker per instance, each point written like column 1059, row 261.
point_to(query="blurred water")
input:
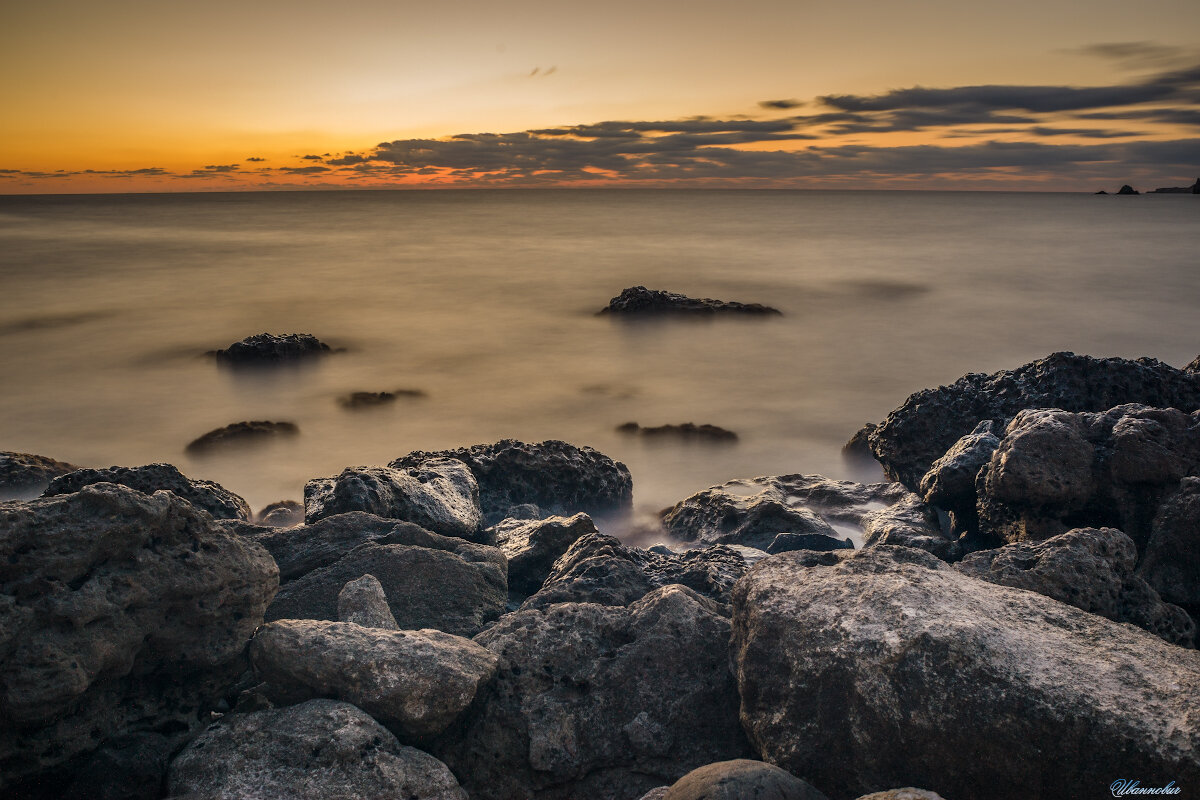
column 485, row 300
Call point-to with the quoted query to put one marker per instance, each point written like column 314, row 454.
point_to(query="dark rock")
column 241, row 433
column 456, row 589
column 415, row 682
column 887, row 667
column 281, row 514
column 687, row 432
column 910, row 523
column 741, row 779
column 557, row 477
column 439, row 494
column 24, row 475
column 908, row 793
column 120, row 613
column 1127, row 189
column 358, row 400
column 1100, row 192
column 265, row 349
column 1091, row 569
column 599, row 569
column 1193, row 189
column 1193, row 366
column 314, row 751
column 1171, row 558
column 596, row 701
column 532, row 547
column 858, row 448
column 132, row 767
column 787, row 542
column 950, row 482
column 210, row 496
column 363, row 602
column 920, row 431
column 639, row 300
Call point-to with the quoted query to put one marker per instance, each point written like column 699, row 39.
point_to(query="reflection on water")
column 485, row 302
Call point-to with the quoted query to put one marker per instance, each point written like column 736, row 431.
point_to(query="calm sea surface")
column 486, row 301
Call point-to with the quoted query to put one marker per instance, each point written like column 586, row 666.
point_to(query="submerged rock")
column 532, row 547
column 359, row 400
column 241, row 433
column 687, row 432
column 26, row 474
column 363, row 602
column 267, row 348
column 210, row 496
column 642, row 301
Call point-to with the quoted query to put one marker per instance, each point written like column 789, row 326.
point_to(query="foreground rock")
column 210, row 496
column 241, row 433
column 558, row 477
column 638, row 300
column 267, row 349
column 596, row 701
column 415, row 682
column 889, row 668
column 741, row 779
column 439, row 494
column 920, row 431
column 26, row 474
column 120, row 613
column 532, row 547
column 1091, row 569
column 687, row 432
column 314, row 751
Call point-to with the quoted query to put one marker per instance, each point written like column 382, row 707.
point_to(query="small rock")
column 359, row 400
column 207, row 495
column 241, row 433
column 642, row 301
column 265, row 349
column 281, row 514
column 687, row 432
column 1127, row 189
column 363, row 602
column 741, row 779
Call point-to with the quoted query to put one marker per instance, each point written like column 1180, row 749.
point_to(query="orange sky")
column 132, row 95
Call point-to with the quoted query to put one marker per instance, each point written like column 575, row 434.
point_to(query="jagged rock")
column 741, row 779
column 120, row 613
column 559, row 478
column 1193, row 366
column 688, row 431
column 314, row 751
column 266, row 348
column 364, row 603
column 25, row 475
column 532, row 547
column 456, row 589
column 439, row 494
column 210, row 496
column 950, row 482
column 1127, row 189
column 1089, row 568
column 640, row 301
column 415, row 682
column 920, row 431
column 241, row 433
column 599, row 569
column 281, row 514
column 787, row 542
column 599, row 701
column 887, row 667
column 909, row 523
column 1171, row 558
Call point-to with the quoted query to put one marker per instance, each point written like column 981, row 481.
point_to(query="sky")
column 165, row 95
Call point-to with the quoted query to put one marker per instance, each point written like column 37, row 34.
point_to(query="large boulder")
column 557, row 477
column 313, row 751
column 921, row 430
column 439, row 494
column 1089, row 568
column 887, row 667
column 265, row 349
column 599, row 701
column 640, row 301
column 25, row 475
column 120, row 612
column 212, row 497
column 533, row 545
column 1171, row 558
column 415, row 682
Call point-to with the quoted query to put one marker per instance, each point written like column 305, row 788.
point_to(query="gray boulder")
column 210, row 496
column 887, row 667
column 741, row 779
column 120, row 613
column 363, row 602
column 439, row 494
column 24, row 475
column 415, row 682
column 532, row 547
column 313, row 751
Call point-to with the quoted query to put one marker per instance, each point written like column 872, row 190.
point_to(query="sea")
column 485, row 301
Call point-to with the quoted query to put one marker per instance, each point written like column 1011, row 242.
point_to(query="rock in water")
column 416, row 682
column 210, row 496
column 532, row 547
column 364, row 603
column 120, row 613
column 241, row 433
column 598, row 701
column 25, row 475
column 887, row 667
column 638, row 300
column 314, row 751
column 266, row 349
column 281, row 514
column 741, row 779
column 557, row 477
column 688, row 432
column 1127, row 189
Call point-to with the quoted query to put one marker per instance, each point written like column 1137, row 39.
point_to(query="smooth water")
column 486, row 301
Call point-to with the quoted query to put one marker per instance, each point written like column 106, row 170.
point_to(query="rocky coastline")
column 1012, row 614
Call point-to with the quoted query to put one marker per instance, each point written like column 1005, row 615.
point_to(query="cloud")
column 255, row 158
column 1134, row 55
column 346, row 160
column 304, row 170
column 780, row 104
column 313, row 158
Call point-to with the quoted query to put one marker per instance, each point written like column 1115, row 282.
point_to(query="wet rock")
column 599, row 569
column 241, row 433
column 457, row 589
column 887, row 667
column 439, row 494
column 920, row 431
column 638, row 300
column 1171, row 558
column 359, row 400
column 787, row 542
column 313, row 751
column 281, row 514
column 598, row 701
column 25, row 475
column 687, row 432
column 910, row 523
column 415, row 682
column 741, row 779
column 532, row 547
column 950, row 482
column 363, row 602
column 210, row 496
column 557, row 477
column 266, row 349
column 1091, row 569
column 120, row 613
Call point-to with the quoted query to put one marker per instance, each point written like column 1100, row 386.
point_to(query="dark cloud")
column 1169, row 116
column 255, row 158
column 347, row 160
column 781, row 104
column 1134, row 54
column 303, row 170
column 312, row 158
column 1089, row 133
